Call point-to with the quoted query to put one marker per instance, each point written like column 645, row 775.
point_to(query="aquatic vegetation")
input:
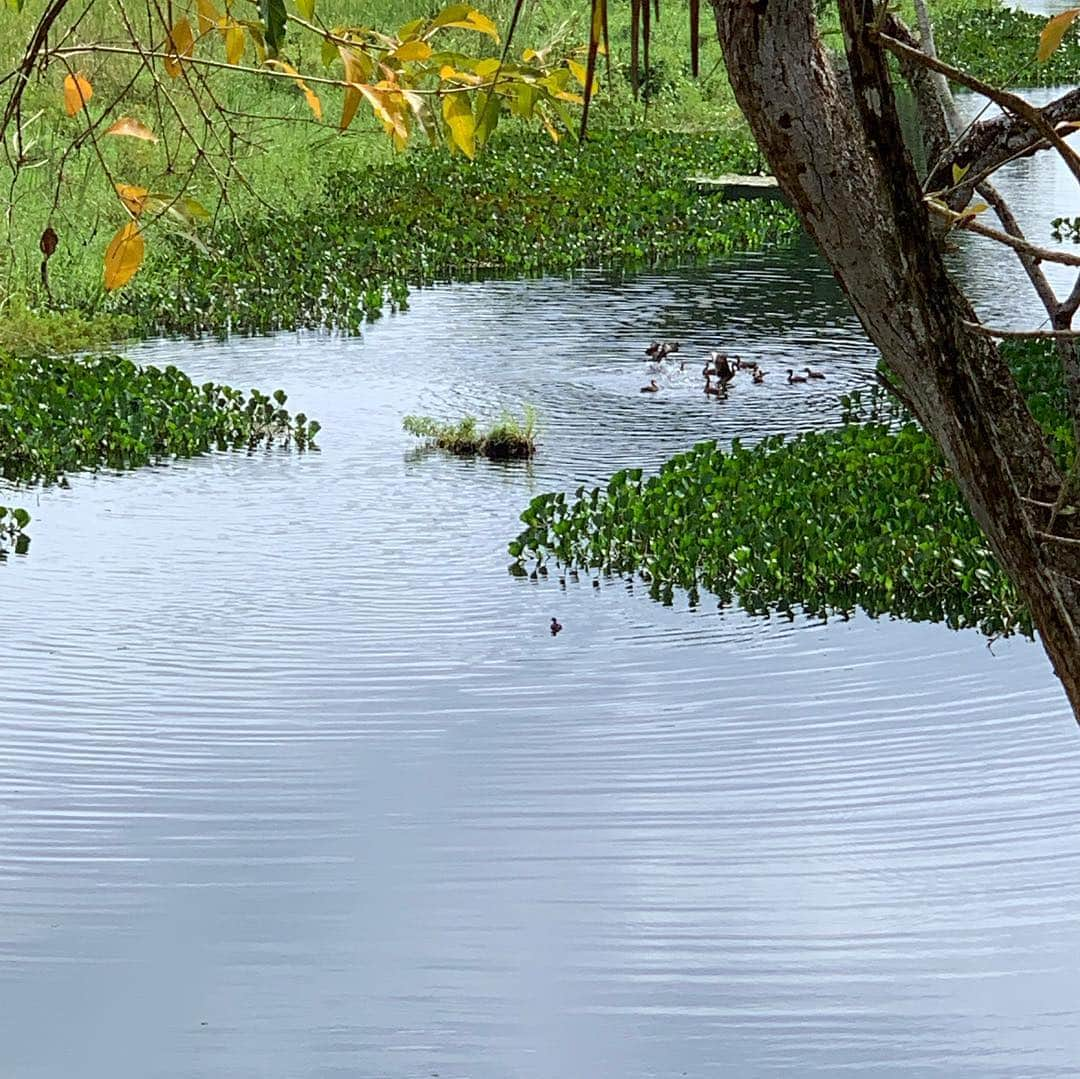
column 13, row 520
column 997, row 44
column 60, row 414
column 866, row 515
column 508, row 439
column 527, row 206
column 26, row 332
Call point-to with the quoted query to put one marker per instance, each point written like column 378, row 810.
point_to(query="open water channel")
column 295, row 782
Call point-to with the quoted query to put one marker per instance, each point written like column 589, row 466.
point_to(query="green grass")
column 508, row 439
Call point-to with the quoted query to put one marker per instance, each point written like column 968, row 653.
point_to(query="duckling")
column 813, row 374
column 792, row 377
column 654, row 387
column 556, row 626
column 716, row 391
column 758, row 376
column 654, row 349
column 749, row 365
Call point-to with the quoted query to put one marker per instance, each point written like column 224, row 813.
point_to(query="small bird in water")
column 653, row 386
column 556, row 626
column 813, row 374
column 792, row 377
column 758, row 376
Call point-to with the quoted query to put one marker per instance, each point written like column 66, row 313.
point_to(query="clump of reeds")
column 508, row 439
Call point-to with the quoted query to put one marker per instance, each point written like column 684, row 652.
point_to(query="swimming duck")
column 758, row 375
column 716, row 391
column 792, row 377
column 724, row 371
column 813, row 374
column 556, row 626
column 749, row 365
column 654, row 349
column 653, row 387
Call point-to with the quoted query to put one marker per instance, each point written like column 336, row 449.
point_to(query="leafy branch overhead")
column 442, row 79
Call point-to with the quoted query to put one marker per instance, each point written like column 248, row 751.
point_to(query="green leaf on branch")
column 273, row 17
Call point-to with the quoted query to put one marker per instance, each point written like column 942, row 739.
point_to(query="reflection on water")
column 296, row 782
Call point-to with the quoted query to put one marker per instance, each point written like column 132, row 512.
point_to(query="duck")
column 813, row 374
column 792, row 377
column 758, row 375
column 654, row 387
column 749, row 365
column 724, row 371
column 654, row 349
column 716, row 391
column 556, row 626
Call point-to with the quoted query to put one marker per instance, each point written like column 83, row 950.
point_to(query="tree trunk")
column 842, row 161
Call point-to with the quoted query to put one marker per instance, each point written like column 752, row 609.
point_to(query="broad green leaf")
column 306, row 9
column 14, row 5
column 273, row 17
column 1054, row 31
column 457, row 112
column 489, row 107
column 124, row 256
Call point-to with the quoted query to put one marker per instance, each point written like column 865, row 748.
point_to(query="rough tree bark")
column 842, row 161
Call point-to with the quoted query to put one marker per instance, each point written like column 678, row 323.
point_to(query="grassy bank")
column 529, row 206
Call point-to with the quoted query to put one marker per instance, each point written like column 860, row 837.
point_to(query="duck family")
column 719, row 371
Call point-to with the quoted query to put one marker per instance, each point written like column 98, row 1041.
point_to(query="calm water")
column 295, row 782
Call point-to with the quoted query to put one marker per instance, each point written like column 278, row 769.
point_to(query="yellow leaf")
column 457, row 112
column 128, row 125
column 389, row 107
column 349, row 107
column 359, row 67
column 306, row 9
column 209, row 16
column 577, row 70
column 413, row 50
column 124, row 256
column 77, row 92
column 309, row 95
column 1054, row 31
column 465, row 18
column 181, row 43
column 487, row 67
column 959, row 173
column 234, row 43
column 134, row 198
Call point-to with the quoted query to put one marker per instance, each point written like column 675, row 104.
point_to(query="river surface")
column 295, row 782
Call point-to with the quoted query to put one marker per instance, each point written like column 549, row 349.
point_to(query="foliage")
column 24, row 332
column 12, row 522
column 157, row 78
column 621, row 199
column 998, row 45
column 866, row 515
column 59, row 414
column 508, row 439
